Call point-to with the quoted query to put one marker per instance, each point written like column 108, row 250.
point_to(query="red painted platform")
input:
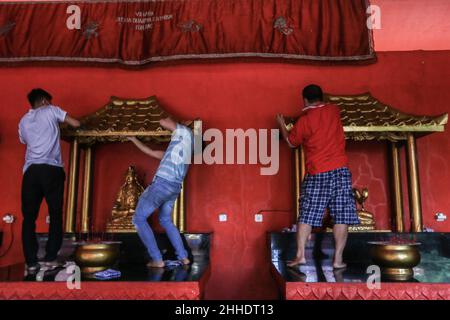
column 136, row 282
column 108, row 290
column 360, row 291
column 116, row 290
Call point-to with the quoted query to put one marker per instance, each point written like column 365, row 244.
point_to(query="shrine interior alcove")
column 366, row 119
column 111, row 124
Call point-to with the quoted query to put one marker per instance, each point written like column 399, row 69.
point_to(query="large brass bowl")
column 396, row 261
column 93, row 257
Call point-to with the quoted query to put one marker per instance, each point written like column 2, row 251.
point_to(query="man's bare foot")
column 185, row 261
column 337, row 266
column 156, row 264
column 296, row 262
column 338, row 262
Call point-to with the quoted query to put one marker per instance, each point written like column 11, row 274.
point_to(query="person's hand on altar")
column 284, row 130
column 146, row 149
column 132, row 138
column 280, row 120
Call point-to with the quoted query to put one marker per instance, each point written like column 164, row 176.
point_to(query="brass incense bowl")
column 396, row 260
column 93, row 257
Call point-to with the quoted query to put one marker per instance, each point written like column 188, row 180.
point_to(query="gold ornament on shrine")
column 114, row 122
column 365, row 118
column 125, row 204
column 366, row 219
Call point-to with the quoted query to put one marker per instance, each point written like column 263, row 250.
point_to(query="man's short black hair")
column 313, row 93
column 37, row 95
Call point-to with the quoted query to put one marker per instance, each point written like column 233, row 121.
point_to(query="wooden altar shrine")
column 118, row 119
column 365, row 118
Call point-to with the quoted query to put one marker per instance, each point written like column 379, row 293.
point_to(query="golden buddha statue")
column 367, row 222
column 125, row 204
column 365, row 217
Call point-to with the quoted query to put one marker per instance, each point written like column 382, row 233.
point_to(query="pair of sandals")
column 162, row 264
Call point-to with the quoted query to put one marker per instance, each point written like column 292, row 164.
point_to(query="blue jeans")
column 160, row 194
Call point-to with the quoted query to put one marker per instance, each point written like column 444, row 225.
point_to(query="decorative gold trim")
column 191, row 56
column 366, row 118
column 423, row 128
column 121, row 133
column 352, row 229
column 120, row 118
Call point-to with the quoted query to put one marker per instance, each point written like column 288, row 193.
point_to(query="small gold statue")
column 125, row 204
column 365, row 217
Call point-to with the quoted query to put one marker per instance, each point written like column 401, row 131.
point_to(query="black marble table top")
column 433, row 268
column 132, row 261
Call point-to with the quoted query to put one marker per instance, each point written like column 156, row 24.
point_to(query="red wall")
column 237, row 95
column 408, row 25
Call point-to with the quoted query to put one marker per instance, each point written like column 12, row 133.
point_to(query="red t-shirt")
column 319, row 129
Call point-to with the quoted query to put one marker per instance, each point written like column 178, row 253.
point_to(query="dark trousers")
column 42, row 181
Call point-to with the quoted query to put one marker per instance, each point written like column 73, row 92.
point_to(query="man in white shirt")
column 164, row 190
column 43, row 174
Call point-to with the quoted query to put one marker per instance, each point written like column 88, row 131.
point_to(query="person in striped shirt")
column 164, row 190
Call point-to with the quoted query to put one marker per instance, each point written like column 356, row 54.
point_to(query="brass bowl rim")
column 97, row 245
column 394, row 246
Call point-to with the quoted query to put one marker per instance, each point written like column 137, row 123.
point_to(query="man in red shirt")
column 328, row 181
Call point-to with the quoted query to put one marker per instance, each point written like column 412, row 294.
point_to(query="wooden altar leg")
column 302, row 164
column 299, row 174
column 72, row 188
column 415, row 206
column 397, row 187
column 178, row 213
column 175, row 212
column 297, row 183
column 181, row 210
column 87, row 190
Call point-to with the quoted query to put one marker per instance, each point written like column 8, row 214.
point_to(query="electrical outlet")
column 223, row 217
column 8, row 218
column 258, row 217
column 440, row 217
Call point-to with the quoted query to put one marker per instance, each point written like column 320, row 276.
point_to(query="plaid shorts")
column 332, row 190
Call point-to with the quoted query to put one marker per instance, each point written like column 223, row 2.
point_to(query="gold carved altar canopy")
column 366, row 118
column 118, row 119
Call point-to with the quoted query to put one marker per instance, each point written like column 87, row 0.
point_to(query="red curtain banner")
column 138, row 32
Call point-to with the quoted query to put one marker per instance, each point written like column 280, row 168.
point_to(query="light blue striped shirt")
column 175, row 162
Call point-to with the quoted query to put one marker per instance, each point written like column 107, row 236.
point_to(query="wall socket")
column 440, row 217
column 223, row 217
column 258, row 217
column 8, row 218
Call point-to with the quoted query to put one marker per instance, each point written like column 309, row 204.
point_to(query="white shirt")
column 39, row 130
